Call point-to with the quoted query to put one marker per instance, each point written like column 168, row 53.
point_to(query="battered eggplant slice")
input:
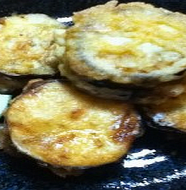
column 130, row 44
column 31, row 45
column 65, row 128
column 138, row 95
column 102, row 89
column 160, row 93
column 169, row 115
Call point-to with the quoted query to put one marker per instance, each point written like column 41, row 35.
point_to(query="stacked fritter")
column 132, row 52
column 64, row 128
column 51, row 121
column 31, row 46
column 126, row 48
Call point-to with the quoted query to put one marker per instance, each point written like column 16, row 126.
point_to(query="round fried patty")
column 132, row 43
column 138, row 95
column 57, row 124
column 31, row 44
column 171, row 114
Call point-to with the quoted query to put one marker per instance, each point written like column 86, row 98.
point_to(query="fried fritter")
column 169, row 115
column 160, row 93
column 31, row 44
column 138, row 95
column 130, row 44
column 92, row 87
column 58, row 125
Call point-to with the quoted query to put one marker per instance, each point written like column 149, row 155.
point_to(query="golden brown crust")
column 59, row 125
column 121, row 44
column 170, row 114
column 104, row 91
column 31, row 44
column 160, row 93
column 151, row 95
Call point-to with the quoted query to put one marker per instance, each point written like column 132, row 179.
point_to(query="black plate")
column 156, row 161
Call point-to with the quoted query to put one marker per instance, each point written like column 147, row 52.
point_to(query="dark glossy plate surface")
column 157, row 160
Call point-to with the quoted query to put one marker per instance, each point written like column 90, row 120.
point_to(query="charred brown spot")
column 76, row 114
column 98, row 143
column 26, row 130
column 127, row 127
column 64, row 139
column 31, row 140
column 2, row 21
column 64, row 156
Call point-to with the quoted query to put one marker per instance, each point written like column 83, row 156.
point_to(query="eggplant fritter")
column 130, row 44
column 56, row 124
column 31, row 44
column 169, row 115
column 92, row 87
column 160, row 93
column 105, row 89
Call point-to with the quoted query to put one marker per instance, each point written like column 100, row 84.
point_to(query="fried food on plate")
column 133, row 44
column 31, row 46
column 103, row 89
column 160, row 93
column 138, row 95
column 60, row 126
column 169, row 115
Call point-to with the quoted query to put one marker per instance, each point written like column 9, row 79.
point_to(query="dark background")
column 170, row 174
column 66, row 7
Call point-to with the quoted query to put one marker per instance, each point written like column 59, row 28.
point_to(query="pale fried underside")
column 171, row 114
column 86, row 85
column 160, row 93
column 30, row 44
column 132, row 43
column 61, row 126
column 154, row 95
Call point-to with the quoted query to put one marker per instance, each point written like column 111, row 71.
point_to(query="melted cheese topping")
column 31, row 44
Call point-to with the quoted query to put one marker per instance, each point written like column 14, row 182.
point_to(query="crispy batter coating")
column 31, row 44
column 152, row 95
column 88, row 86
column 160, row 93
column 170, row 114
column 133, row 43
column 56, row 124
